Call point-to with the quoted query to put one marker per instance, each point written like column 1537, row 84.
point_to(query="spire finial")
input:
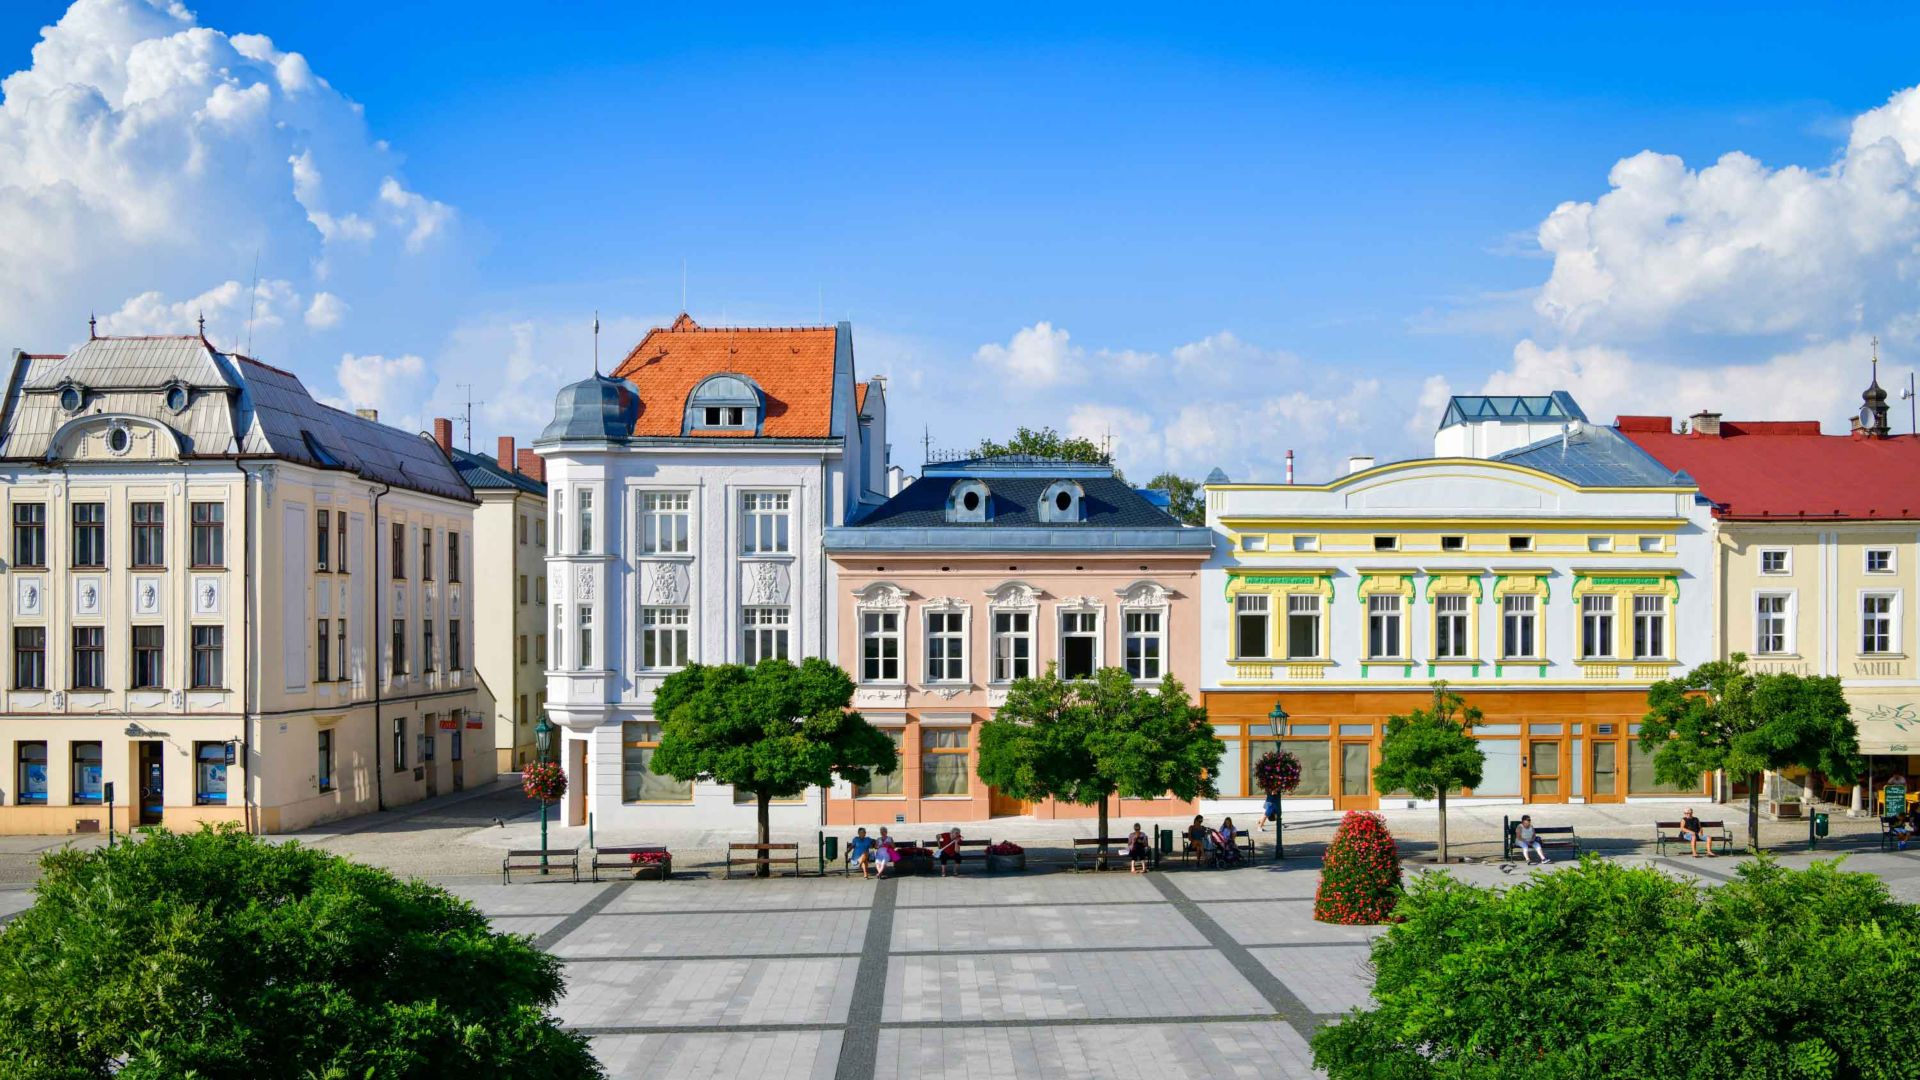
column 91, row 334
column 596, row 342
column 1876, row 358
column 203, row 324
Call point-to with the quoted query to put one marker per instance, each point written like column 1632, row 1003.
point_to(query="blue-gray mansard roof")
column 1113, row 516
column 1593, row 456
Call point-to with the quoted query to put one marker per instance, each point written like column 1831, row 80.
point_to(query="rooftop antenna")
column 926, row 446
column 468, row 419
column 683, row 284
column 596, row 343
column 1913, row 404
column 253, row 299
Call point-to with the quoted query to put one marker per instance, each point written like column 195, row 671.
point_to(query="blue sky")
column 1215, row 236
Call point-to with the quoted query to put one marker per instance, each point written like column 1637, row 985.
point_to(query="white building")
column 688, row 494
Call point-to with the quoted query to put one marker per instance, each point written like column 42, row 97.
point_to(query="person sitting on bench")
column 1137, row 852
column 1227, row 851
column 1199, row 837
column 949, row 852
column 1690, row 831
column 860, row 851
column 1902, row 831
column 1529, row 841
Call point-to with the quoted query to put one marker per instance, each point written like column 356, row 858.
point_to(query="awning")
column 1889, row 728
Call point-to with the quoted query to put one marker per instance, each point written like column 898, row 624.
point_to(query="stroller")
column 1224, row 854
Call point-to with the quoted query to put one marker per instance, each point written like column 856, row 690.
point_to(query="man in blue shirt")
column 860, row 851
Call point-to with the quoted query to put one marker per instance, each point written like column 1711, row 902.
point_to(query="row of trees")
column 1183, row 495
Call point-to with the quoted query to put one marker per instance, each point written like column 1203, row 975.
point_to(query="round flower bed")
column 1360, row 877
column 543, row 780
column 1006, row 855
column 652, row 864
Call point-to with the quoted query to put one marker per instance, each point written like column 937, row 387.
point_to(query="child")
column 949, row 852
column 860, row 851
column 1137, row 850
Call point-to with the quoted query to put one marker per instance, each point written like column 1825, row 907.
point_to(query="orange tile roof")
column 860, row 398
column 793, row 366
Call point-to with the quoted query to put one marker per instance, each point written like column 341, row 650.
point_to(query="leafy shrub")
column 1360, row 876
column 221, row 957
column 1603, row 971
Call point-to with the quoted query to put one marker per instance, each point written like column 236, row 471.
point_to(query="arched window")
column 1062, row 502
column 969, row 501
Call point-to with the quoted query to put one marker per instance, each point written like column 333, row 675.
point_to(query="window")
column 426, row 553
column 1383, row 628
column 765, row 634
column 724, row 416
column 90, row 535
column 887, row 783
column 1596, row 627
column 428, row 658
column 29, row 658
column 209, row 656
column 1079, row 644
column 540, row 590
column 30, row 787
column 1303, row 627
column 1599, row 543
column 149, row 657
column 1450, row 627
column 209, row 534
column 1519, row 543
column 585, row 517
column 1253, row 543
column 209, row 773
column 520, row 645
column 1145, row 643
column 454, row 656
column 946, row 647
column 943, row 761
column 399, row 744
column 398, row 552
column 323, row 648
column 1879, row 560
column 1306, row 543
column 522, row 528
column 1876, row 623
column 665, row 522
column 879, row 646
column 1649, row 627
column 1250, row 626
column 1386, row 543
column 540, row 647
column 339, row 650
column 559, row 632
column 397, row 650
column 29, row 535
column 523, row 590
column 1012, row 645
column 340, row 548
column 1453, row 543
column 149, row 535
column 1772, row 626
column 1651, row 543
column 663, row 638
column 584, row 616
column 638, row 781
column 89, row 658
column 323, row 764
column 763, row 522
column 1773, row 561
column 322, row 540
column 453, row 557
column 540, row 530
column 1518, row 627
column 88, row 766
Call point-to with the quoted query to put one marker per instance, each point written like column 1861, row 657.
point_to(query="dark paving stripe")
column 860, row 1045
column 1021, row 950
column 586, row 911
column 957, row 1025
column 1290, row 1008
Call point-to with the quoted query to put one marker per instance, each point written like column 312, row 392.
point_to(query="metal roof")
column 1473, row 408
column 1593, row 456
column 483, row 473
column 1116, row 517
column 136, row 363
column 596, row 409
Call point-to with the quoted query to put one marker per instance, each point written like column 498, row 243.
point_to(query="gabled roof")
column 483, row 473
column 1788, row 471
column 1594, row 457
column 792, row 366
column 1473, row 408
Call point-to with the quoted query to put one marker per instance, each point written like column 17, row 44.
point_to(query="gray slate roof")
column 1594, row 456
column 483, row 473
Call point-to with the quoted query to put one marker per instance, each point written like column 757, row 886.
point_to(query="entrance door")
column 1546, row 782
column 577, row 783
column 1356, row 777
column 433, row 767
column 1605, row 781
column 153, row 786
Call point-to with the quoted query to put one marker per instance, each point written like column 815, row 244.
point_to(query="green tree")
column 1085, row 740
column 1603, row 971
column 1188, row 502
column 1429, row 752
column 1720, row 716
column 1046, row 443
column 216, row 955
column 775, row 729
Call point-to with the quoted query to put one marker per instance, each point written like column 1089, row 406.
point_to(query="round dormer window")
column 970, row 501
column 1064, row 500
column 71, row 398
column 176, row 399
column 118, row 440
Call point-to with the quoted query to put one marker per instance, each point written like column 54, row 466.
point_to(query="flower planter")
column 914, row 864
column 997, row 864
column 1785, row 811
column 655, row 871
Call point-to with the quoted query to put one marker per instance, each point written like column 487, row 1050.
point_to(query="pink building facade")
column 984, row 572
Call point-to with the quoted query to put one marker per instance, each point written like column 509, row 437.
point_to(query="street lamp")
column 1279, row 718
column 542, row 743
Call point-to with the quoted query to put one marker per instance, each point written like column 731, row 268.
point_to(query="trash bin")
column 1166, row 841
column 1819, row 823
column 830, row 849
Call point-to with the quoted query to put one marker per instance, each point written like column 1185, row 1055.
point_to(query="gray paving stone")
column 759, row 933
column 767, row 1055
column 532, row 897
column 1267, row 1051
column 1326, row 978
column 1283, row 922
column 776, row 894
column 1051, row 927
column 1066, row 986
column 687, row 993
column 525, row 924
column 1294, row 878
column 972, row 887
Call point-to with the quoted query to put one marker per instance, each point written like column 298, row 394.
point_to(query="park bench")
column 1713, row 832
column 1550, row 837
column 1243, row 842
column 622, row 856
column 764, row 855
column 531, row 859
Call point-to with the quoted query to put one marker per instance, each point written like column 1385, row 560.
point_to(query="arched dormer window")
column 970, row 501
column 1062, row 502
column 177, row 397
column 73, row 397
column 723, row 403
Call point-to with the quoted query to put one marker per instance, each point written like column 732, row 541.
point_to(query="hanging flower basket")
column 543, row 780
column 1277, row 772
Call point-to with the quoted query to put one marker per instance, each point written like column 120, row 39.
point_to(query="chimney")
column 1705, row 423
column 532, row 464
column 1359, row 463
column 443, row 434
column 1289, row 466
column 368, row 414
column 505, row 455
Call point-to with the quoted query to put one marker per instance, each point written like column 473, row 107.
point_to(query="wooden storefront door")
column 1355, row 781
column 1546, row 772
column 1604, row 780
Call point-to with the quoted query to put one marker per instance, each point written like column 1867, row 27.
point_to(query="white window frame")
column 946, row 608
column 1788, row 618
column 1396, row 611
column 1098, row 634
column 655, row 521
column 1244, row 606
column 1611, row 637
column 770, row 624
column 1001, row 670
column 1786, row 561
column 670, row 625
column 1893, row 561
column 880, row 627
column 1510, row 616
column 583, row 516
column 1662, row 616
column 774, row 519
column 1156, row 634
column 1460, row 634
column 583, row 637
column 1893, row 598
column 1319, row 617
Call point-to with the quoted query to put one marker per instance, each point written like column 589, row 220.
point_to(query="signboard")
column 1279, row 579
column 448, row 723
column 1896, row 799
column 474, row 723
column 1628, row 581
column 230, row 755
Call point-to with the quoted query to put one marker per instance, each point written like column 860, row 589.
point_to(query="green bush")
column 1360, row 874
column 216, row 955
column 1601, row 970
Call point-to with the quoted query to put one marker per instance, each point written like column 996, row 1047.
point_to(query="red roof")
column 1787, row 470
column 860, row 398
column 792, row 366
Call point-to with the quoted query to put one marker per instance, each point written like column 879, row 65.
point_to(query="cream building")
column 226, row 600
column 509, row 589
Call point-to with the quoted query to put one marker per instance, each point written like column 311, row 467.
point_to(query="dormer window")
column 1062, row 502
column 969, row 501
column 72, row 397
column 724, row 403
column 177, row 398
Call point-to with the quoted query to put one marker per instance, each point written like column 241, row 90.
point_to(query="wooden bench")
column 1713, row 832
column 1550, row 837
column 623, row 857
column 765, row 855
column 538, row 859
column 1243, row 842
